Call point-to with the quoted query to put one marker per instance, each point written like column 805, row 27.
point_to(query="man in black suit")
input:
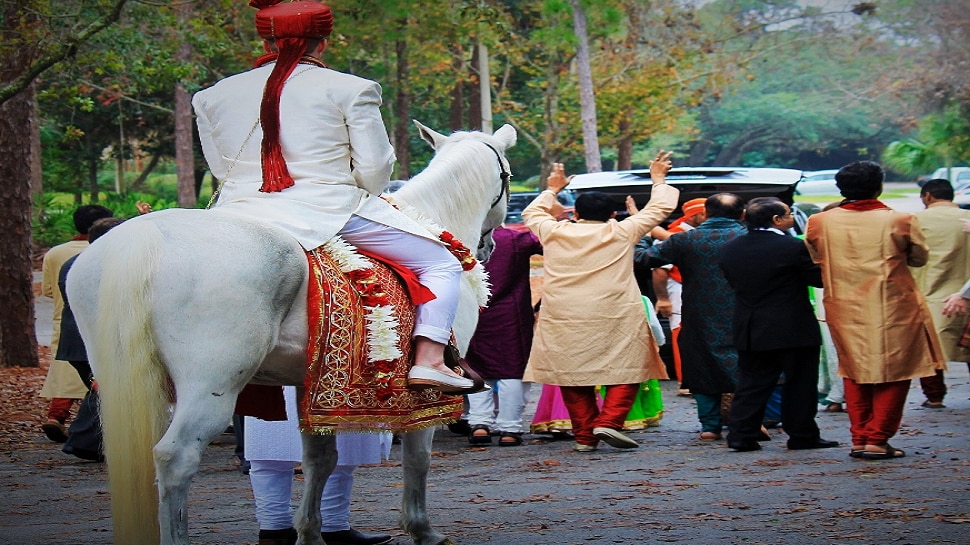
column 775, row 329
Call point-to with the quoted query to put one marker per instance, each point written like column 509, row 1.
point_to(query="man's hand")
column 557, row 180
column 660, row 166
column 631, row 205
column 955, row 305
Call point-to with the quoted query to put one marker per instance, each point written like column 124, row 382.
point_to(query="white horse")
column 181, row 308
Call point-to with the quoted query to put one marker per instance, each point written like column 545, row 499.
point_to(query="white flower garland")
column 382, row 336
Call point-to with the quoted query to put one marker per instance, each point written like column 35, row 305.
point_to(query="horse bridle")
column 505, row 190
column 506, row 176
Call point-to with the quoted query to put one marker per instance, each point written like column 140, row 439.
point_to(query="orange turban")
column 290, row 26
column 693, row 207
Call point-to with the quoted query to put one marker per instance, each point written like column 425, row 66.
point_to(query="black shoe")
column 83, row 454
column 744, row 446
column 818, row 443
column 353, row 537
column 277, row 537
column 460, row 428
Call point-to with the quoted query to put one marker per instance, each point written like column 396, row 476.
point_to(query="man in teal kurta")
column 708, row 358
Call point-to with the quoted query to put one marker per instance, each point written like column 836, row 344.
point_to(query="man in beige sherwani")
column 63, row 385
column 592, row 329
column 880, row 323
column 948, row 265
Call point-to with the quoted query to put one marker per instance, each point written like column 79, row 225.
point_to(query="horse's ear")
column 428, row 135
column 507, row 135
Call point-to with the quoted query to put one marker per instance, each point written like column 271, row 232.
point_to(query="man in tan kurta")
column 880, row 323
column 947, row 266
column 592, row 329
column 63, row 385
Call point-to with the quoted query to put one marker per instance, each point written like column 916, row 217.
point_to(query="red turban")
column 290, row 26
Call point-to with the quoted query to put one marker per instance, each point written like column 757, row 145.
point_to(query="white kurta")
column 334, row 142
column 281, row 440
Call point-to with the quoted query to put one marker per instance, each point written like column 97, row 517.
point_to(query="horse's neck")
column 445, row 196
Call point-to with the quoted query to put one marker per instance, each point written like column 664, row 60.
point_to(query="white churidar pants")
column 436, row 268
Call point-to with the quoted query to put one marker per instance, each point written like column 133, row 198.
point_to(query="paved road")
column 673, row 489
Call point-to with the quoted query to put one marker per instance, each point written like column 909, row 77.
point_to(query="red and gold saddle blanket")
column 360, row 318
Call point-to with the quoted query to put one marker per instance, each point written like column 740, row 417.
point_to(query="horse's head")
column 495, row 177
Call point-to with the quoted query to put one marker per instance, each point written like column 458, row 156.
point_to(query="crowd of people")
column 735, row 283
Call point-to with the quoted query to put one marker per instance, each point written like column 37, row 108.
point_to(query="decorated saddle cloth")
column 361, row 319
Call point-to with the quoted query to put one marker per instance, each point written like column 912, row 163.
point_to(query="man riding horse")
column 322, row 161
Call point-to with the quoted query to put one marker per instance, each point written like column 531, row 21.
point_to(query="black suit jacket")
column 770, row 275
column 70, row 347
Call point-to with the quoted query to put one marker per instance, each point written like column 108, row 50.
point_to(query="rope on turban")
column 290, row 26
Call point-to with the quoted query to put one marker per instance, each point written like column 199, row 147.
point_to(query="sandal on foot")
column 480, row 435
column 884, row 452
column 510, row 439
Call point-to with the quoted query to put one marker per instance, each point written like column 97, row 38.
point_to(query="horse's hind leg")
column 319, row 459
column 416, row 460
column 198, row 418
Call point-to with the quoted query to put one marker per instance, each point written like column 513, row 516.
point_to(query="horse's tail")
column 133, row 383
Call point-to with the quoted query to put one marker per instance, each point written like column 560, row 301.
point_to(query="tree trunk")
column 18, row 340
column 624, row 148
column 93, row 163
column 587, row 100
column 184, row 155
column 402, row 104
column 137, row 184
column 456, row 113
column 550, row 152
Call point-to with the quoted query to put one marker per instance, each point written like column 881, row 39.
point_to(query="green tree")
column 942, row 139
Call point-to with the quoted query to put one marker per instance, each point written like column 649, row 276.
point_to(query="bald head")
column 724, row 205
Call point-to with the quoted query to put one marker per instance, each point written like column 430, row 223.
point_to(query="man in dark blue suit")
column 775, row 329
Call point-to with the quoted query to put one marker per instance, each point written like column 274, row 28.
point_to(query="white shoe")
column 614, row 438
column 424, row 378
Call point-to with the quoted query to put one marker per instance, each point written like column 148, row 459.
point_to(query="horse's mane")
column 463, row 153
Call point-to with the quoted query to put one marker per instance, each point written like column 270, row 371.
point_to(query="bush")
column 53, row 214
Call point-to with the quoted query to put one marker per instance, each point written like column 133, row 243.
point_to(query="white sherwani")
column 334, row 142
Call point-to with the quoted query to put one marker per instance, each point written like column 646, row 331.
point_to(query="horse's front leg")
column 416, row 454
column 319, row 459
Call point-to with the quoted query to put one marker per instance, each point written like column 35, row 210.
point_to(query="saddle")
column 360, row 318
